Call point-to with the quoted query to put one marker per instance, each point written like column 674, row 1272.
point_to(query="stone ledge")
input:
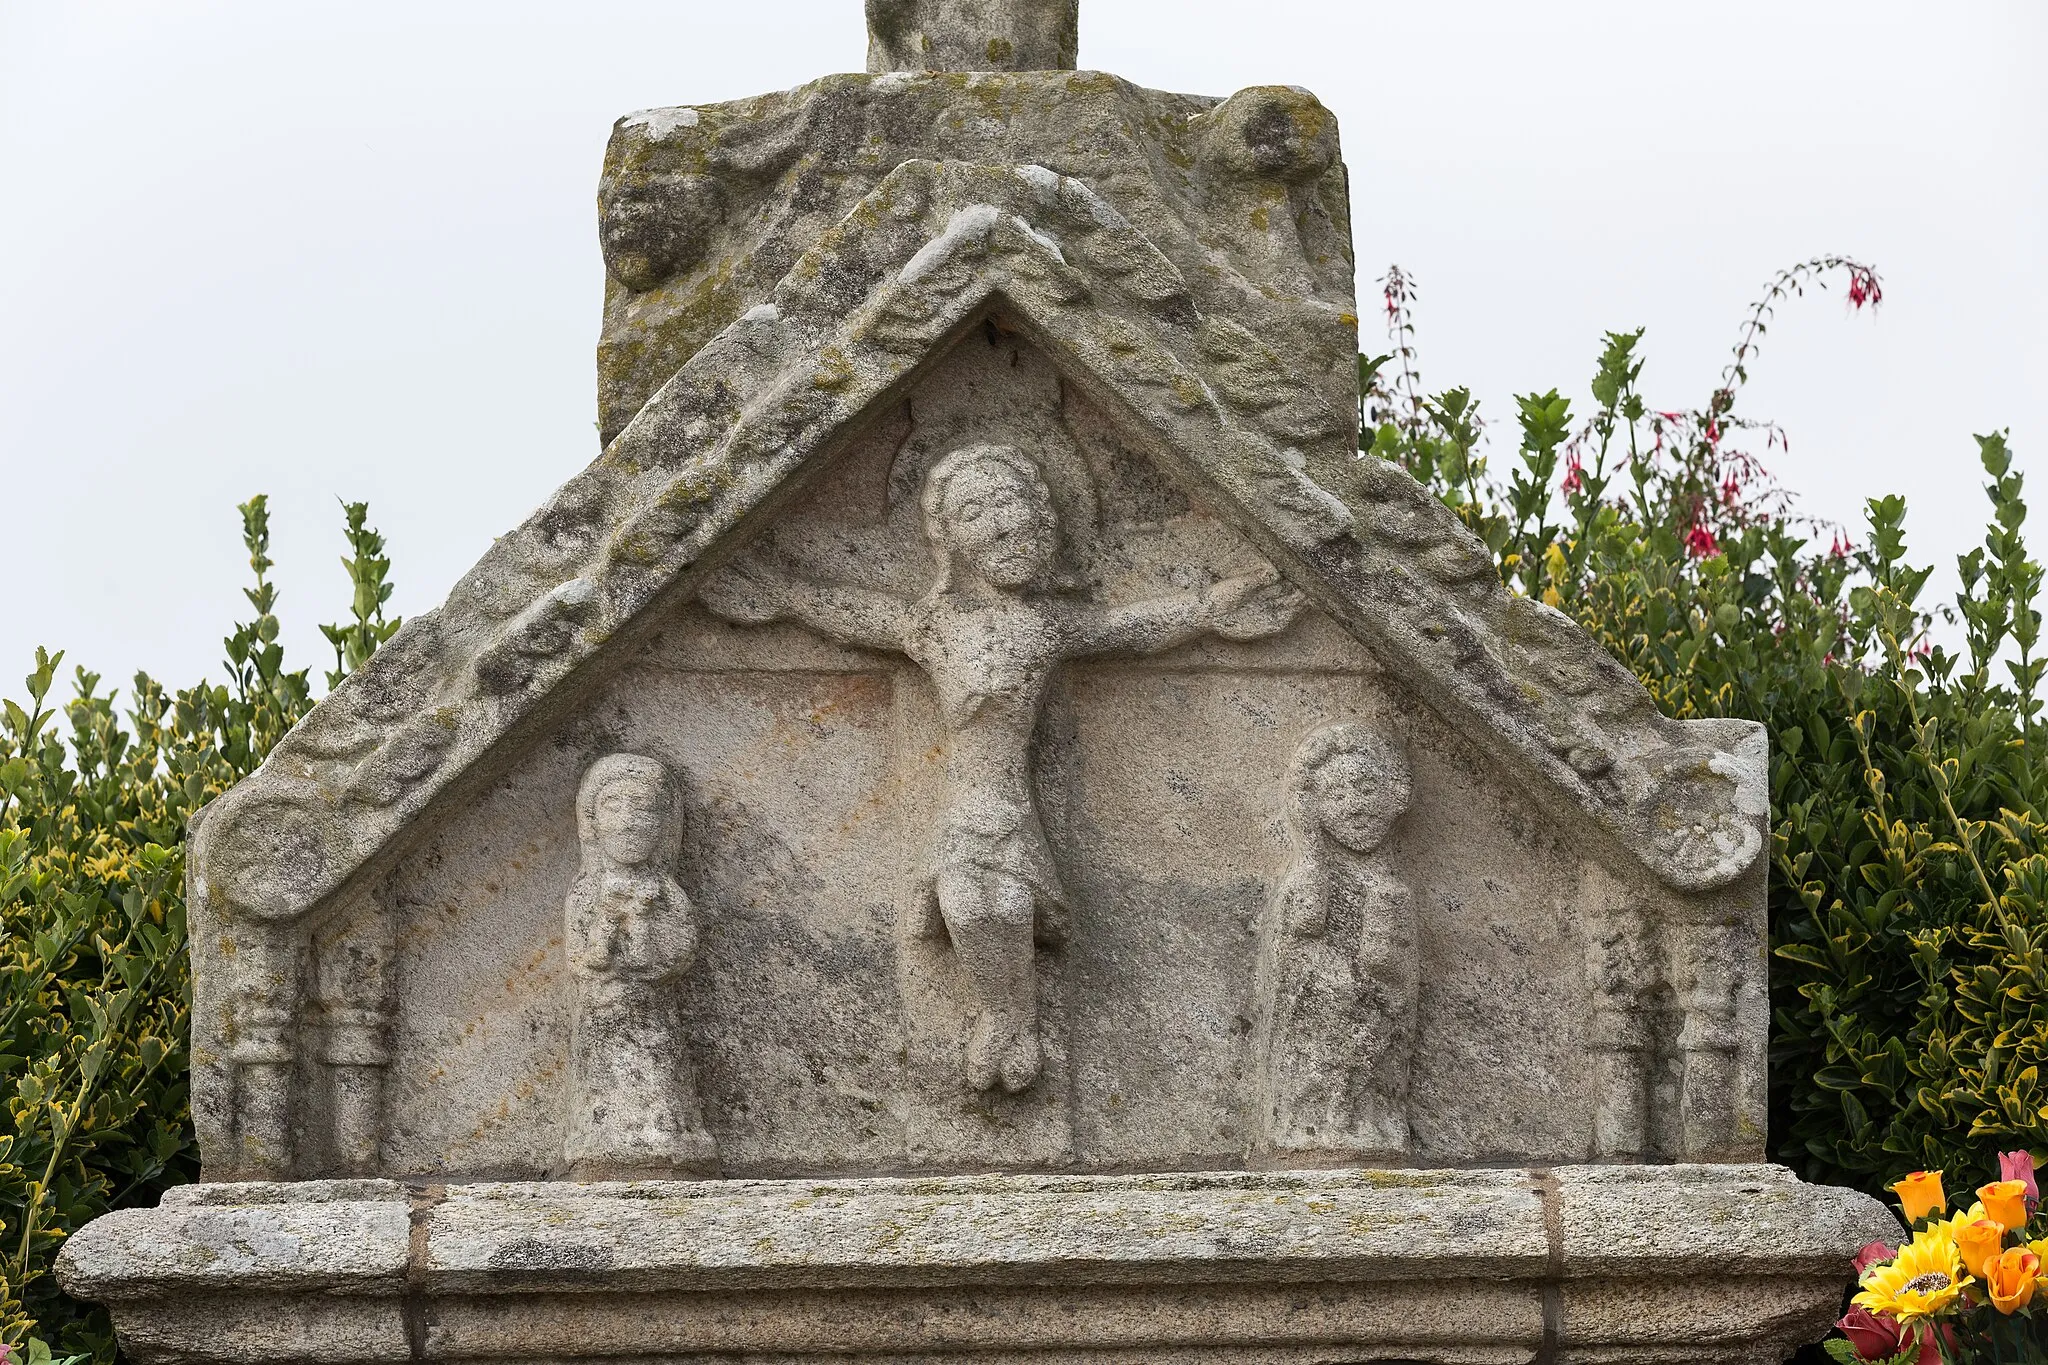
column 1595, row 1264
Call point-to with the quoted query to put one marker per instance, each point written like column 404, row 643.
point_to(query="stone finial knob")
column 972, row 35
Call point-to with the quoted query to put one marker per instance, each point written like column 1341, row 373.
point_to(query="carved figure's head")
column 626, row 811
column 987, row 509
column 1349, row 784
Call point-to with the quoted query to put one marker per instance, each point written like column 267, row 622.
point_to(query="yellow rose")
column 1979, row 1243
column 2005, row 1201
column 1920, row 1194
column 2012, row 1278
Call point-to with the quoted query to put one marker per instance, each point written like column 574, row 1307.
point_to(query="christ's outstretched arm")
column 1247, row 608
column 749, row 593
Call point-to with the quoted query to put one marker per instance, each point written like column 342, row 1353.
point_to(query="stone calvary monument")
column 981, row 829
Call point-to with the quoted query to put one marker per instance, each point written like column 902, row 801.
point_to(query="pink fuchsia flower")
column 1700, row 543
column 1864, row 288
column 1574, row 474
column 1877, row 1253
column 2020, row 1166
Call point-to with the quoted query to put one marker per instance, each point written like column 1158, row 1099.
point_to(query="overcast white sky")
column 333, row 250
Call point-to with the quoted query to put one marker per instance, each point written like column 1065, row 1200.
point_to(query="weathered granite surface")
column 972, row 35
column 1200, row 928
column 1211, row 577
column 980, row 714
column 705, row 210
column 1572, row 1264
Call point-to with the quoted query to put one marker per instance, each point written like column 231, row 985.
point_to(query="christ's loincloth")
column 985, row 832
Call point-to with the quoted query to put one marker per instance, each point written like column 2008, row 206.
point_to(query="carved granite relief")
column 630, row 935
column 1622, row 975
column 982, row 450
column 354, row 1006
column 971, row 35
column 1666, row 999
column 1101, row 779
column 1713, row 962
column 990, row 637
column 268, row 998
column 1339, row 968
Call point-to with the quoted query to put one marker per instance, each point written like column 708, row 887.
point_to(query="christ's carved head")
column 987, row 511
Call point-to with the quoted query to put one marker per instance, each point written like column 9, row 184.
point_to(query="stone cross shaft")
column 972, row 35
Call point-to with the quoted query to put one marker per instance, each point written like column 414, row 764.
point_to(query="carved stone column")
column 353, row 972
column 1709, row 972
column 1621, row 972
column 269, row 971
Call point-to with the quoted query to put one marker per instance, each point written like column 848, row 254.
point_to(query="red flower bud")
column 1875, row 1336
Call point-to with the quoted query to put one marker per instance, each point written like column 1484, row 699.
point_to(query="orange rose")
column 2011, row 1280
column 1920, row 1194
column 1979, row 1243
column 2006, row 1201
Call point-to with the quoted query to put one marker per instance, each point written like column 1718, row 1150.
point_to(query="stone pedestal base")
column 1573, row 1264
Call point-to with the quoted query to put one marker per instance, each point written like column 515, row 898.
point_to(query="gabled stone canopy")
column 933, row 250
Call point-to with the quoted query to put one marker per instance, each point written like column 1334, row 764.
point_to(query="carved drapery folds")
column 630, row 933
column 1338, row 974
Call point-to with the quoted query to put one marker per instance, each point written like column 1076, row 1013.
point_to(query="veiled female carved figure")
column 1336, row 981
column 990, row 641
column 631, row 934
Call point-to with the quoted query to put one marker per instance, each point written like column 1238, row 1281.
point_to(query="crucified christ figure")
column 990, row 642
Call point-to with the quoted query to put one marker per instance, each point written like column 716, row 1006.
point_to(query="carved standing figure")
column 990, row 639
column 1337, row 975
column 631, row 934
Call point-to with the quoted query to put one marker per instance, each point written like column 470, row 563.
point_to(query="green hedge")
column 95, row 994
column 1908, row 927
column 1909, row 867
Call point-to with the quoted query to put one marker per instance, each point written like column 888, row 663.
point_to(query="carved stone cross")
column 972, row 35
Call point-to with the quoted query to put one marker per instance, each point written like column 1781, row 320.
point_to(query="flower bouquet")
column 1961, row 1291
